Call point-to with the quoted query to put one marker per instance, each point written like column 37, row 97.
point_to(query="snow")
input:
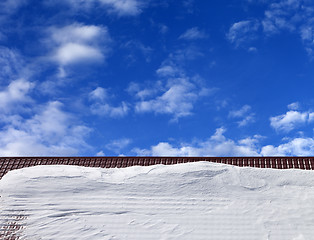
column 186, row 201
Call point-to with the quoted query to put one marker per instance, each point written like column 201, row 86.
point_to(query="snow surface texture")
column 186, row 201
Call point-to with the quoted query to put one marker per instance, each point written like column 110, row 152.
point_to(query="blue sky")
column 162, row 78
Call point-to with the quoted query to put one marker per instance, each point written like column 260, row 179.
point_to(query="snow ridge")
column 200, row 200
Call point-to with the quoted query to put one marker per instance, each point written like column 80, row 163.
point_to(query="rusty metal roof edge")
column 280, row 162
column 155, row 157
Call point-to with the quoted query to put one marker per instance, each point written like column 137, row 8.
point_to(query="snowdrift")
column 199, row 200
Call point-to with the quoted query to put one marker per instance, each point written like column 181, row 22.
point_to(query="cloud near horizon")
column 220, row 146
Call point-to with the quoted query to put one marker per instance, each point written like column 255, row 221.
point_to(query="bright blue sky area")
column 171, row 78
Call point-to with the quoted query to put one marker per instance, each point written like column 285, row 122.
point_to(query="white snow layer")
column 186, row 201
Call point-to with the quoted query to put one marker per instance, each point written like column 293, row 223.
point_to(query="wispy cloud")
column 294, row 106
column 100, row 105
column 244, row 114
column 167, row 71
column 10, row 6
column 118, row 7
column 247, row 120
column 11, row 63
column 106, row 109
column 243, row 31
column 163, row 29
column 142, row 93
column 118, row 145
column 294, row 16
column 240, row 112
column 283, row 15
column 193, row 34
column 124, row 7
column 136, row 48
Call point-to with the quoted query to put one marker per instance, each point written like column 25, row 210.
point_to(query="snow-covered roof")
column 199, row 200
column 10, row 163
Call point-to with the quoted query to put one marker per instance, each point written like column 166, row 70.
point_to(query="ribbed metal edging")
column 10, row 163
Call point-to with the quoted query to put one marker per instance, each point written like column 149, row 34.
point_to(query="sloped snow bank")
column 186, row 201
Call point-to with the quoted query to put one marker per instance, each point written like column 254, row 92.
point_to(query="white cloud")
column 99, row 94
column 15, row 93
column 295, row 147
column 219, row 145
column 193, row 34
column 177, row 99
column 216, row 145
column 106, row 109
column 290, row 120
column 77, row 43
column 242, row 31
column 74, row 53
column 49, row 132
